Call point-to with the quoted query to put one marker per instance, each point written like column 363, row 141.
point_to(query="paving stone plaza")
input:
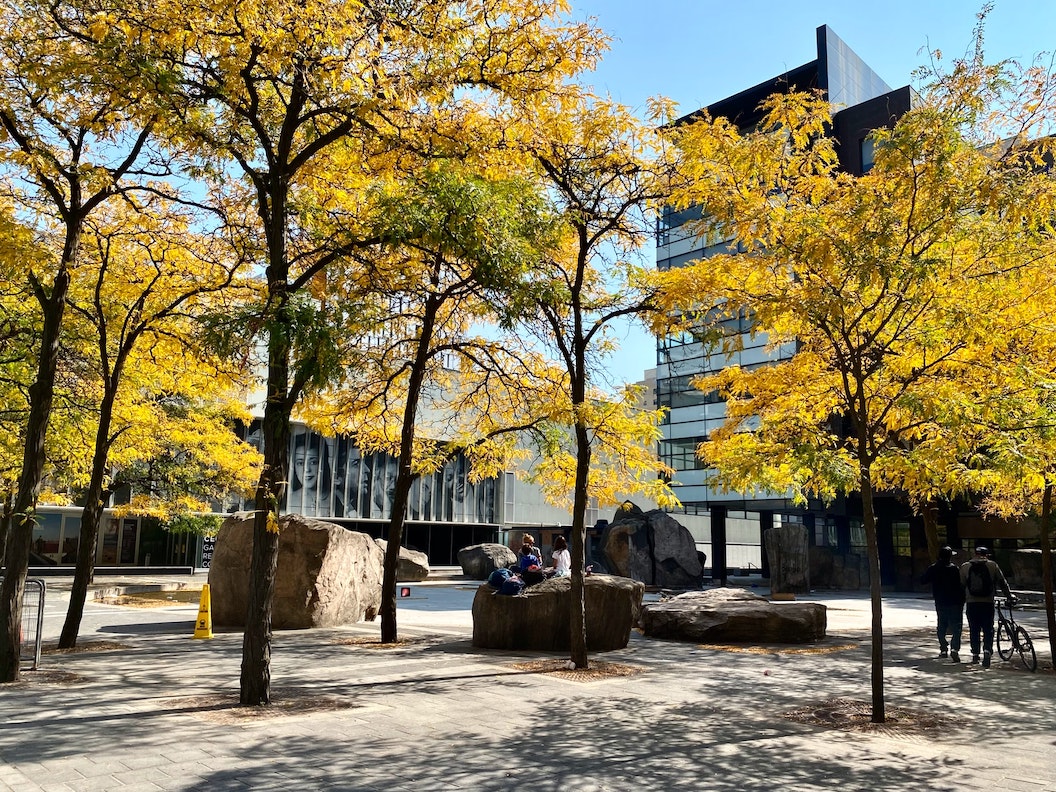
column 152, row 708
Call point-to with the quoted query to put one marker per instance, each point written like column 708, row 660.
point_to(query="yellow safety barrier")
column 203, row 628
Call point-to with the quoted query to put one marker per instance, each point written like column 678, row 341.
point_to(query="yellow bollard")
column 203, row 628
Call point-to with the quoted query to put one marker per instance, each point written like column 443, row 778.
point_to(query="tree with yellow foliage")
column 268, row 92
column 19, row 327
column 895, row 287
column 603, row 169
column 1002, row 442
column 453, row 241
column 70, row 143
column 136, row 290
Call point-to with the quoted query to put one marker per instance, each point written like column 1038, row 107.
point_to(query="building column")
column 766, row 522
column 718, row 544
column 843, row 534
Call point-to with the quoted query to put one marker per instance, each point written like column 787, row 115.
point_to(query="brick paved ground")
column 158, row 712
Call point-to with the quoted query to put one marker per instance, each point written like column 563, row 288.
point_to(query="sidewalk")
column 155, row 710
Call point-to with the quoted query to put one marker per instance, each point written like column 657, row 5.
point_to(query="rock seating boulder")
column 1026, row 570
column 538, row 618
column 479, row 561
column 413, row 564
column 651, row 547
column 326, row 574
column 733, row 616
column 788, row 550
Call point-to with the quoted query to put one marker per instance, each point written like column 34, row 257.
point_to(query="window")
column 857, row 535
column 900, row 532
column 868, row 150
column 681, row 454
column 825, row 533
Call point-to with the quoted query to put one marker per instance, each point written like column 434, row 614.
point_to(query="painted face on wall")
column 306, row 467
column 455, row 480
column 384, row 483
column 346, row 479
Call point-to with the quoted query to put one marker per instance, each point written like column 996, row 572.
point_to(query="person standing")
column 981, row 578
column 948, row 592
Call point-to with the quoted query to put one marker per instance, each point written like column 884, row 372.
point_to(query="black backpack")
column 980, row 582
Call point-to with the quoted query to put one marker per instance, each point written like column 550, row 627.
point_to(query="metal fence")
column 32, row 626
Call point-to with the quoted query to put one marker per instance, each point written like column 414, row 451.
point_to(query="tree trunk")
column 20, row 535
column 404, row 477
column 875, row 598
column 930, row 514
column 1046, row 568
column 5, row 523
column 392, row 559
column 255, row 682
column 578, row 617
column 91, row 516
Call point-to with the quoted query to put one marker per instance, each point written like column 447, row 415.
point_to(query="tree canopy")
column 890, row 294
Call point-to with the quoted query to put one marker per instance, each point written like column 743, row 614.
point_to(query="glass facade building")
column 862, row 102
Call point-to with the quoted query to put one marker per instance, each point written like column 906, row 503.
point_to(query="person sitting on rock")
column 561, row 558
column 528, row 539
column 531, row 565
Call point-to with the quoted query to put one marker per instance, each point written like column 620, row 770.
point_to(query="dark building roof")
column 863, row 101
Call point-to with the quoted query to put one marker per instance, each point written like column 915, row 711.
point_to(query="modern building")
column 332, row 480
column 862, row 102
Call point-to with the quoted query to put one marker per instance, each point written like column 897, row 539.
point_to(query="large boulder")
column 412, row 566
column 1026, row 570
column 651, row 547
column 788, row 550
column 538, row 618
column 326, row 574
column 733, row 616
column 479, row 561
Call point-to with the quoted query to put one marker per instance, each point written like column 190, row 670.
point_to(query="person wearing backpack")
column 948, row 592
column 981, row 578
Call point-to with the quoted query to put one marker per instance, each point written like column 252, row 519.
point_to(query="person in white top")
column 561, row 558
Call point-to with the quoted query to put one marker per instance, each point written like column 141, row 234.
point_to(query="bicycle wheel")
column 1006, row 644
column 1025, row 647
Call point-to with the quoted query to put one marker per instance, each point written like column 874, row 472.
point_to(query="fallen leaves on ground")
column 598, row 670
column 87, row 646
column 224, row 709
column 851, row 715
column 782, row 649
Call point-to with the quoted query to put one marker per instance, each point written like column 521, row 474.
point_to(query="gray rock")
column 326, row 574
column 733, row 616
column 539, row 618
column 1026, row 570
column 412, row 566
column 787, row 548
column 479, row 561
column 651, row 547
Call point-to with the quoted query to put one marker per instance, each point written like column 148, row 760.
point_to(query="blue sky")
column 698, row 51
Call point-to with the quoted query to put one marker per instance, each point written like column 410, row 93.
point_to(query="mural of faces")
column 330, row 477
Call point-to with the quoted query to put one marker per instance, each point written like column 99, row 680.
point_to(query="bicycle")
column 1012, row 637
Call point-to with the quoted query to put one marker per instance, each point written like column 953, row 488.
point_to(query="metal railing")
column 32, row 625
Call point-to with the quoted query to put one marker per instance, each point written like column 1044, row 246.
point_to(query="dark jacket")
column 946, row 587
